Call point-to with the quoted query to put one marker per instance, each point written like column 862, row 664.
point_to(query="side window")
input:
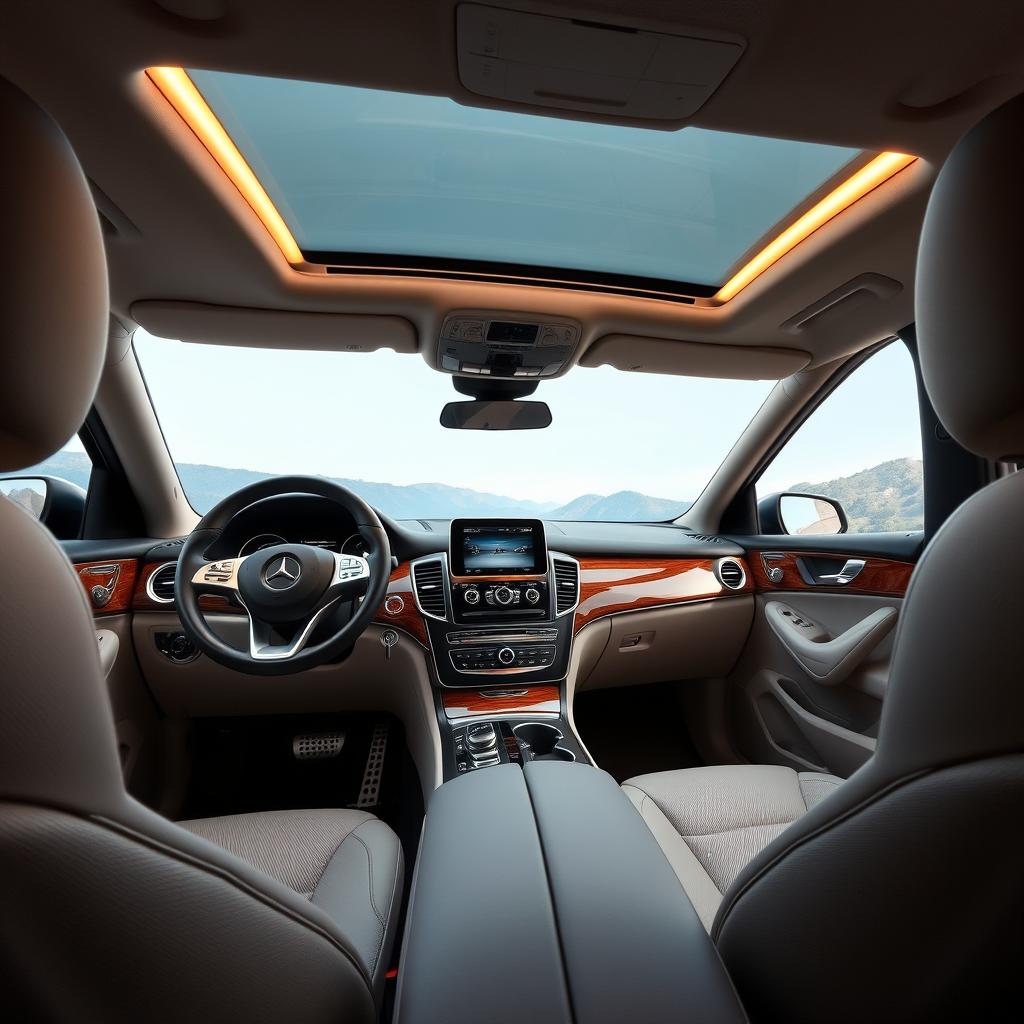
column 862, row 448
column 54, row 490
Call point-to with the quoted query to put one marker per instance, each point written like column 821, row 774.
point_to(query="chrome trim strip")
column 150, row 592
column 554, row 556
column 718, row 573
column 443, row 559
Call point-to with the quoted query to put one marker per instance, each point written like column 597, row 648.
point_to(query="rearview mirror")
column 801, row 515
column 496, row 415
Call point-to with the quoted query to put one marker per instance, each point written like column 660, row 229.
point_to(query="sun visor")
column 694, row 359
column 274, row 328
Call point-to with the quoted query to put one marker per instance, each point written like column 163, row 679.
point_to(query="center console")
column 541, row 895
column 499, row 606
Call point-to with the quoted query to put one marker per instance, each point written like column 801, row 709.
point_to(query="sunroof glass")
column 374, row 173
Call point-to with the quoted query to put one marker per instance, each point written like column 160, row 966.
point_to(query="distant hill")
column 887, row 497
column 622, row 506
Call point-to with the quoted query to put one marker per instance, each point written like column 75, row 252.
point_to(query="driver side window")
column 861, row 448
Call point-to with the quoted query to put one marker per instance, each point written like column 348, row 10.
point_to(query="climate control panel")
column 489, row 600
column 482, row 650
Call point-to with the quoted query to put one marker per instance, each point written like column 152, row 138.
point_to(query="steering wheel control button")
column 282, row 572
column 219, row 572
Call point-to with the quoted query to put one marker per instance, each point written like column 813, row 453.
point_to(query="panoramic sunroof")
column 359, row 175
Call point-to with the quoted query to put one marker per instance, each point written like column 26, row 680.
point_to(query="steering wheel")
column 287, row 590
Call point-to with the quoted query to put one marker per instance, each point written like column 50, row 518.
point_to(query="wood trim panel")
column 462, row 703
column 121, row 599
column 880, row 576
column 610, row 585
column 399, row 606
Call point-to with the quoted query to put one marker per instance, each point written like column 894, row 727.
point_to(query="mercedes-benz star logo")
column 282, row 573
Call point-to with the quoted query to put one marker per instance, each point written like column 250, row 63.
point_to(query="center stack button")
column 506, row 655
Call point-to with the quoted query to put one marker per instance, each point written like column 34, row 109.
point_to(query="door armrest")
column 828, row 660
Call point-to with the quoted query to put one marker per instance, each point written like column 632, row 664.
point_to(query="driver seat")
column 112, row 912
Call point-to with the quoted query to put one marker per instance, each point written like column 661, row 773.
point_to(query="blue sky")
column 375, row 417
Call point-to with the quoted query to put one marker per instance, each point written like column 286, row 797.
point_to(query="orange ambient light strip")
column 179, row 90
column 858, row 185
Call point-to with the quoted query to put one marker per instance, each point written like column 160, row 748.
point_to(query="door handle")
column 849, row 572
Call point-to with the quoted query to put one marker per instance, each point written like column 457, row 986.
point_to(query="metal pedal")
column 369, row 793
column 312, row 745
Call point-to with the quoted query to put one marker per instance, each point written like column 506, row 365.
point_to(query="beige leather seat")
column 111, row 912
column 712, row 821
column 898, row 895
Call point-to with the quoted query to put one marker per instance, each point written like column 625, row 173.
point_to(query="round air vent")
column 730, row 573
column 160, row 585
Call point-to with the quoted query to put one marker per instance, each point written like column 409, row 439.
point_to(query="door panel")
column 809, row 687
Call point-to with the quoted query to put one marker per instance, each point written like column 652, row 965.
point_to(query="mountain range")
column 206, row 485
column 886, row 497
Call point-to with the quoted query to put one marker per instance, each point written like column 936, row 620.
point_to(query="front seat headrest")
column 53, row 290
column 968, row 298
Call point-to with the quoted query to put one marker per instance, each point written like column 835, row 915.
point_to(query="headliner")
column 180, row 233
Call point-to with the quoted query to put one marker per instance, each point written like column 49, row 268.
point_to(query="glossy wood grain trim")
column 217, row 604
column 521, row 700
column 880, row 576
column 611, row 585
column 399, row 606
column 100, row 574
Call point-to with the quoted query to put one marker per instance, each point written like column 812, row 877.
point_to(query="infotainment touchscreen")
column 498, row 547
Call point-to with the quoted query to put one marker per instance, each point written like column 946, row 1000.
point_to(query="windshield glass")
column 626, row 447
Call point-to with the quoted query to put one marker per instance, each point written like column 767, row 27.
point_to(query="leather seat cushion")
column 347, row 862
column 712, row 821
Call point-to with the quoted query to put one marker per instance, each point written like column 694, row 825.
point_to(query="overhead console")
column 506, row 345
column 499, row 605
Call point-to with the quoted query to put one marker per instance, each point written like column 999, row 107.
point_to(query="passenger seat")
column 711, row 822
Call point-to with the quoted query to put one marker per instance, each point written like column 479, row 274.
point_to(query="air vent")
column 706, row 538
column 567, row 584
column 160, row 585
column 730, row 574
column 428, row 579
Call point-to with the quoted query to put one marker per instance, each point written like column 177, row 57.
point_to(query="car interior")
column 361, row 661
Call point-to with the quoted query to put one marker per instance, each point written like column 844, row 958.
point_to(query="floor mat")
column 632, row 730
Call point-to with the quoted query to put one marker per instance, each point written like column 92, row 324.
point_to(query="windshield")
column 625, row 447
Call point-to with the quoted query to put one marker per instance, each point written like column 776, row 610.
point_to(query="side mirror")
column 54, row 502
column 496, row 415
column 801, row 514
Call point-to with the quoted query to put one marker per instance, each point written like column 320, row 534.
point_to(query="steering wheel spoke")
column 266, row 643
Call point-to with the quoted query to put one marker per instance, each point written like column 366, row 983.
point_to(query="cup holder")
column 541, row 740
column 557, row 754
